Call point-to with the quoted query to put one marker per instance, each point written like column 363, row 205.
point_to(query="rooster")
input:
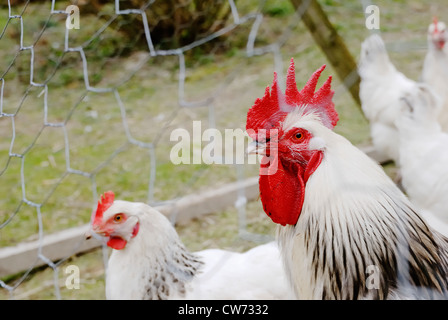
column 423, row 150
column 149, row 261
column 435, row 66
column 381, row 88
column 346, row 231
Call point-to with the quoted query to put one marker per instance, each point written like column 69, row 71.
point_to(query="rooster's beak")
column 252, row 148
column 257, row 147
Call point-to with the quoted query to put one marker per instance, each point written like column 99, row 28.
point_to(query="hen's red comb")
column 435, row 21
column 106, row 200
column 268, row 111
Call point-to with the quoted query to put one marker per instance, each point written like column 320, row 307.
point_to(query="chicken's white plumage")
column 423, row 150
column 381, row 89
column 435, row 67
column 155, row 264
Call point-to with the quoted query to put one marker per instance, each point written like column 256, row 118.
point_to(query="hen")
column 149, row 261
column 346, row 231
column 423, row 150
column 435, row 67
column 380, row 91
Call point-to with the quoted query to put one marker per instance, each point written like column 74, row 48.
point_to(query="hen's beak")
column 88, row 235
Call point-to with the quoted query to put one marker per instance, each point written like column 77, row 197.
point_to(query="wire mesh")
column 86, row 110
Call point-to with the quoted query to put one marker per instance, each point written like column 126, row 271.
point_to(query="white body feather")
column 435, row 73
column 381, row 89
column 156, row 265
column 423, row 149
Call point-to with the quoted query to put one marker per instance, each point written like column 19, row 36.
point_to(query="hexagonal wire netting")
column 90, row 95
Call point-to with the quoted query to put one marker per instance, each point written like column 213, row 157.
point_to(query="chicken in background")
column 381, row 88
column 346, row 231
column 423, row 160
column 435, row 66
column 149, row 261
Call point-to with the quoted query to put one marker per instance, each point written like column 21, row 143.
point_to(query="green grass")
column 97, row 138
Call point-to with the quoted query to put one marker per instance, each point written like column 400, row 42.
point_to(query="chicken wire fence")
column 88, row 102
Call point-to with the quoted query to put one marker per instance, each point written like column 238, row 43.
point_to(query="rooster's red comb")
column 106, row 200
column 268, row 111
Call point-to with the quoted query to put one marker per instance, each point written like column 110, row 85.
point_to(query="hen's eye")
column 118, row 217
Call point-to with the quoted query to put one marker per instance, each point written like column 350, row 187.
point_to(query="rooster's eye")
column 118, row 217
column 298, row 136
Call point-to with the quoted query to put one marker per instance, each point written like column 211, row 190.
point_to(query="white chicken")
column 346, row 231
column 423, row 150
column 380, row 91
column 435, row 66
column 149, row 261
